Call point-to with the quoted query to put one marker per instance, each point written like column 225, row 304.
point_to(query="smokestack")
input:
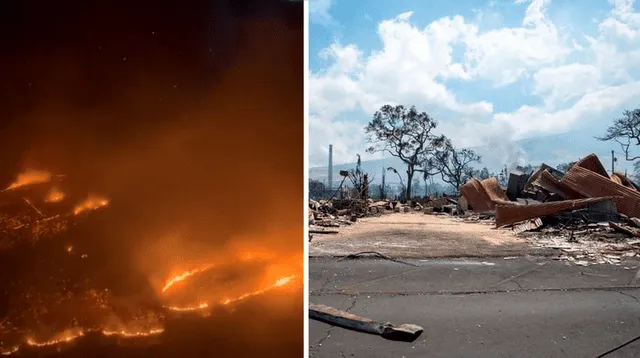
column 330, row 177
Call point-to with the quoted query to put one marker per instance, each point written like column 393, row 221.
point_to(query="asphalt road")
column 521, row 307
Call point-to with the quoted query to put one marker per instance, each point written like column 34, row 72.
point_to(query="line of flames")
column 183, row 276
column 69, row 336
column 281, row 282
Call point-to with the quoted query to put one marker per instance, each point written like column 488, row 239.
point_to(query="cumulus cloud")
column 319, row 12
column 567, row 79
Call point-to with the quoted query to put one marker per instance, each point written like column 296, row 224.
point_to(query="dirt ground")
column 416, row 235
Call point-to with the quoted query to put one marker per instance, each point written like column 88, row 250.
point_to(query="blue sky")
column 491, row 72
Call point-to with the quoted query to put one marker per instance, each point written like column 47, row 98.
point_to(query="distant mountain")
column 552, row 150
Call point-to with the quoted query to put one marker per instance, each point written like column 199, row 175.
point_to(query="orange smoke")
column 30, row 177
column 91, row 203
column 54, row 195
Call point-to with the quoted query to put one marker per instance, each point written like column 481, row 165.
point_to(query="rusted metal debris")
column 330, row 315
column 592, row 217
column 548, row 182
column 483, row 196
column 510, row 214
column 623, row 180
column 591, row 184
column 593, row 164
column 625, row 229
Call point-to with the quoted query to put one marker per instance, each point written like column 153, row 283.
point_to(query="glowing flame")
column 10, row 352
column 30, row 177
column 64, row 337
column 54, row 195
column 188, row 308
column 281, row 282
column 183, row 276
column 91, row 203
column 70, row 335
column 126, row 334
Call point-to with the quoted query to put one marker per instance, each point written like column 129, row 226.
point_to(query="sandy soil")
column 416, row 235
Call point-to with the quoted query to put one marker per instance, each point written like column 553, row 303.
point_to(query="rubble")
column 336, row 213
column 584, row 213
column 589, row 216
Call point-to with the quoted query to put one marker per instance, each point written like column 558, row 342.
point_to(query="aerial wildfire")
column 94, row 202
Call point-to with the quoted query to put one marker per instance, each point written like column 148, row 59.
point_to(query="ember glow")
column 188, row 308
column 281, row 282
column 126, row 334
column 73, row 334
column 64, row 337
column 183, row 276
column 54, row 195
column 10, row 352
column 30, row 177
column 93, row 202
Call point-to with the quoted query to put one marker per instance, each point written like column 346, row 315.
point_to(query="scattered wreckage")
column 591, row 216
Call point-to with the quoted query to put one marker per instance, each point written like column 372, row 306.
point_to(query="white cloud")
column 576, row 79
column 319, row 12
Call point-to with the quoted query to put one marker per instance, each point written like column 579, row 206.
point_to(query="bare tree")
column 405, row 134
column 455, row 165
column 483, row 174
column 503, row 176
column 392, row 169
column 382, row 187
column 359, row 179
column 625, row 131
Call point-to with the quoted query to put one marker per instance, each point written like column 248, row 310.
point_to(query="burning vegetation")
column 136, row 212
column 72, row 307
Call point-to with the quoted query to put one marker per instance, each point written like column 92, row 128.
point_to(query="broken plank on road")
column 330, row 315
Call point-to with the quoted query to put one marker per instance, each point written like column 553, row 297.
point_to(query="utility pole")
column 613, row 161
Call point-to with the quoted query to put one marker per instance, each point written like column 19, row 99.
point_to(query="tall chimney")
column 330, row 177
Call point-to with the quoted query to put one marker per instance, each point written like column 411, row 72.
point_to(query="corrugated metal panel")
column 509, row 214
column 549, row 183
column 592, row 163
column 622, row 180
column 477, row 196
column 495, row 192
column 590, row 184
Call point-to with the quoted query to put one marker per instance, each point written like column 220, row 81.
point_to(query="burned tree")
column 455, row 165
column 316, row 189
column 359, row 179
column 483, row 174
column 626, row 132
column 382, row 187
column 405, row 134
column 503, row 176
column 403, row 187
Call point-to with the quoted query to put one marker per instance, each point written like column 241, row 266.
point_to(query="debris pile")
column 584, row 211
column 324, row 216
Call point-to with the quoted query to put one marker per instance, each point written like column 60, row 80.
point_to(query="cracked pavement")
column 524, row 307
